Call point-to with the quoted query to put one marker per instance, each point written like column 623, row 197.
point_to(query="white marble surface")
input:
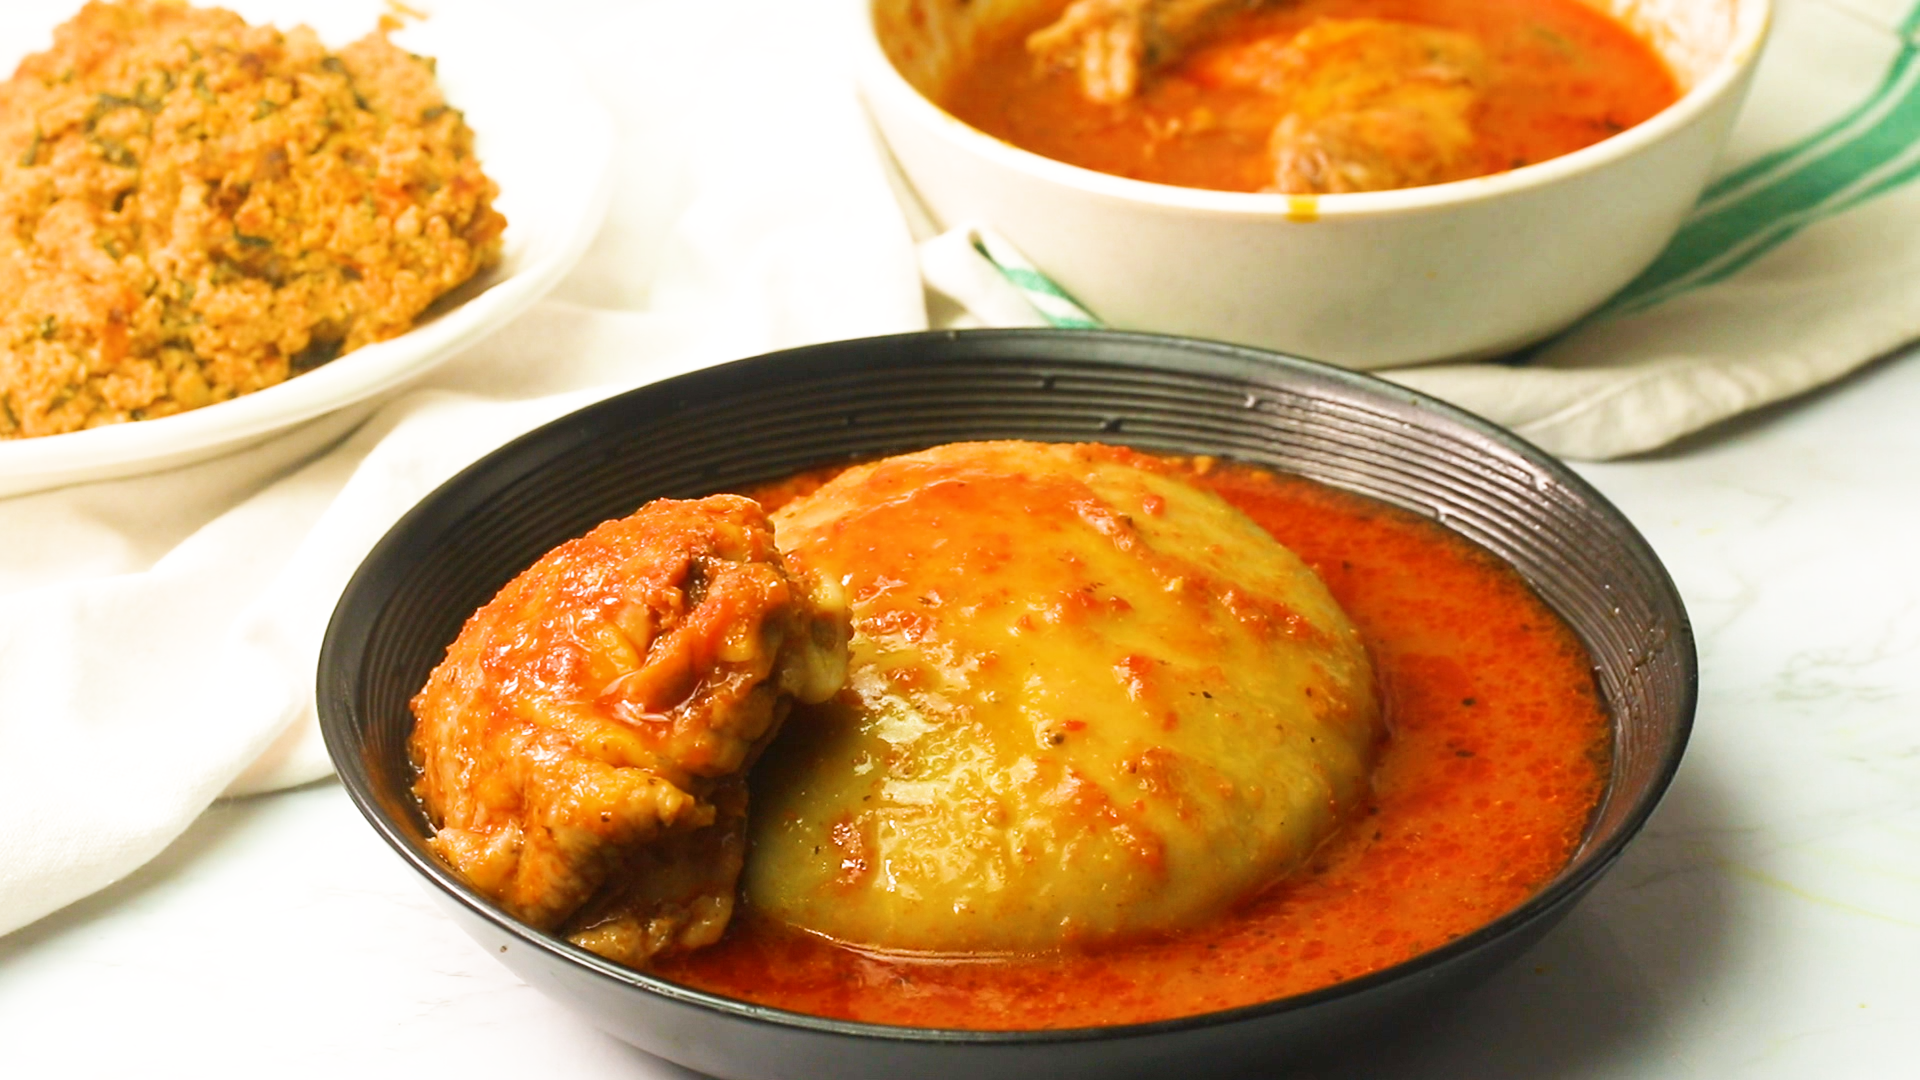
column 1765, row 926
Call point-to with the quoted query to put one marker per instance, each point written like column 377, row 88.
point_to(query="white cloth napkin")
column 1798, row 266
column 158, row 634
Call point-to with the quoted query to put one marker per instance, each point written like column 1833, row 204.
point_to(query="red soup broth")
column 1496, row 756
column 1562, row 76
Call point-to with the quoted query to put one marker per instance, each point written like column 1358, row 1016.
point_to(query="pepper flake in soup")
column 1307, row 96
column 192, row 208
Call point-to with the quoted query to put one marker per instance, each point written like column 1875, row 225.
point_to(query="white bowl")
column 1370, row 280
column 541, row 134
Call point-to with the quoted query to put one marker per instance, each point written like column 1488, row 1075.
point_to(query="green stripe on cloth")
column 1061, row 311
column 1884, row 184
column 1766, row 203
column 1769, row 163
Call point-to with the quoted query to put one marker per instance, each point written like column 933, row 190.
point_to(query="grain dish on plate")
column 199, row 208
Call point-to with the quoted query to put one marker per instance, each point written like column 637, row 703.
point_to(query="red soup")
column 1314, row 96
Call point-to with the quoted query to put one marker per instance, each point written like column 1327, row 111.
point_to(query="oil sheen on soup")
column 1308, row 96
column 1494, row 757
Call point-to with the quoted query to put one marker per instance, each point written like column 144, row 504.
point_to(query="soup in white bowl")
column 1451, row 269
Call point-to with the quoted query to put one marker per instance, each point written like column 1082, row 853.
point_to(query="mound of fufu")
column 1087, row 700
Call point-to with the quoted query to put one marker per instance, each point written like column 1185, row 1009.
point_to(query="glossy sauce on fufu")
column 1086, row 701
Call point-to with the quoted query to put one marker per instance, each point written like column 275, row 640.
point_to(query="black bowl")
column 771, row 416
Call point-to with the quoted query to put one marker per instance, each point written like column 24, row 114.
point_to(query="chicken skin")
column 582, row 748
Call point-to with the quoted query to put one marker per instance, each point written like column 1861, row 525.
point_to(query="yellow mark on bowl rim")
column 1303, row 208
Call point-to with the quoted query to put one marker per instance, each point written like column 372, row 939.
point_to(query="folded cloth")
column 1796, row 267
column 158, row 634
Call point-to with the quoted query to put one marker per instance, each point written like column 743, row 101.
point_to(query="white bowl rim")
column 1753, row 20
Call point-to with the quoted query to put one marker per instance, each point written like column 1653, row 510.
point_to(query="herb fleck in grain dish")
column 192, row 208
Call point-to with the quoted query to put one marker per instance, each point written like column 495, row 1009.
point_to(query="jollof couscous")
column 192, row 208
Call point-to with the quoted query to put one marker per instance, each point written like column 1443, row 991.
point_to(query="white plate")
column 540, row 133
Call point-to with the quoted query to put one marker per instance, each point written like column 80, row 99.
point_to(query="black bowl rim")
column 1590, row 863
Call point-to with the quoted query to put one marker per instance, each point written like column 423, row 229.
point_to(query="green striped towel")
column 1801, row 262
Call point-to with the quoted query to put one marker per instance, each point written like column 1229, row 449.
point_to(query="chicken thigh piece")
column 1112, row 43
column 1373, row 105
column 582, row 748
